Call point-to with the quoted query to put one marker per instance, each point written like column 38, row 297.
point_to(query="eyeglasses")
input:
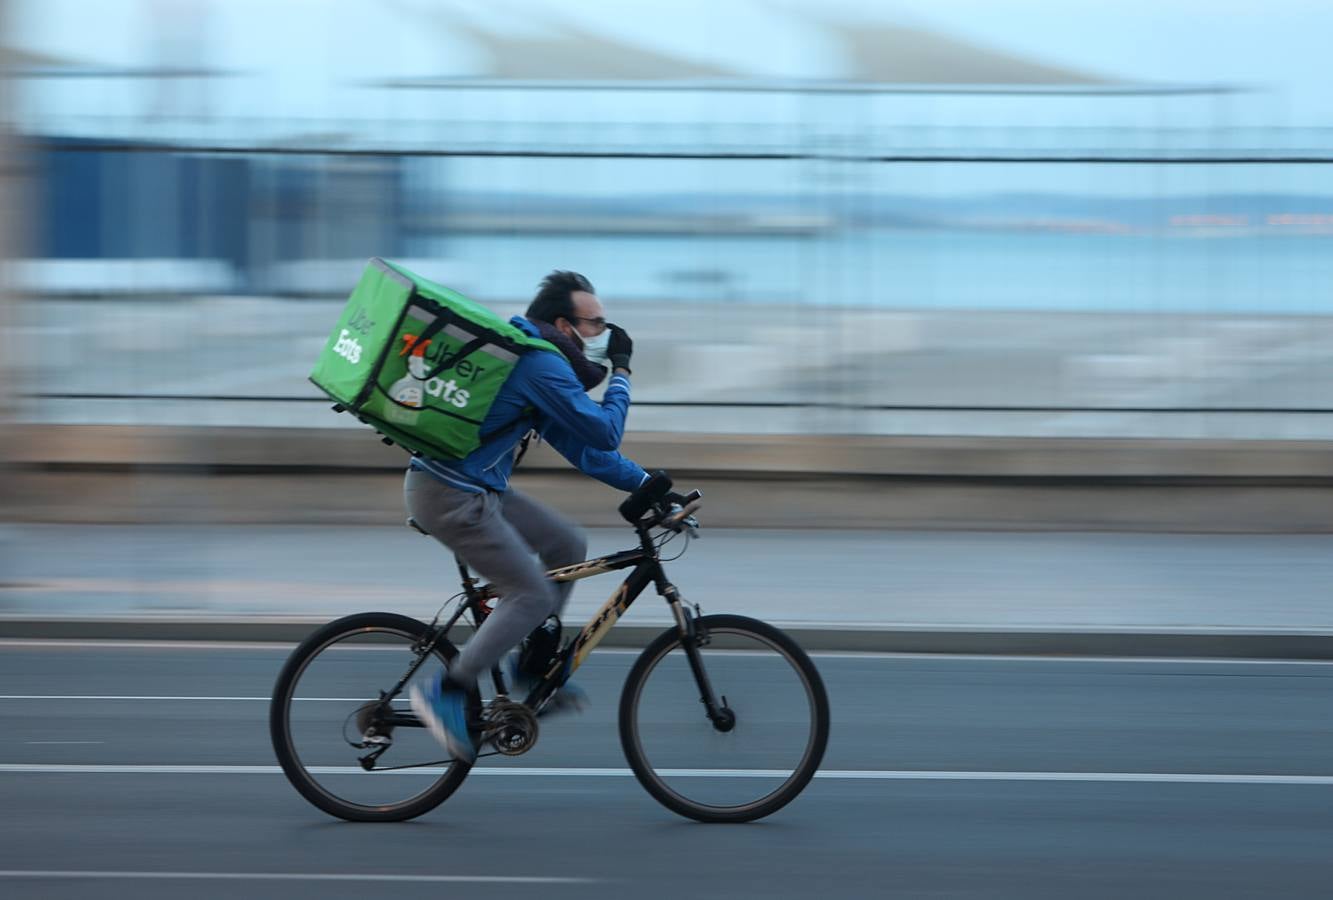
column 599, row 323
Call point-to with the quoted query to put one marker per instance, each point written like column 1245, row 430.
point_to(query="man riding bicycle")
column 468, row 505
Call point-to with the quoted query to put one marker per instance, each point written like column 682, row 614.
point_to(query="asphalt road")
column 945, row 777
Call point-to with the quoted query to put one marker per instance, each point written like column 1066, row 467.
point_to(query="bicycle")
column 704, row 683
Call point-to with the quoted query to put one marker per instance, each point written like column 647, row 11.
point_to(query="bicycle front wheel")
column 342, row 684
column 762, row 751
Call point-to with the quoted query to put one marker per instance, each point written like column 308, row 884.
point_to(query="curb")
column 1199, row 643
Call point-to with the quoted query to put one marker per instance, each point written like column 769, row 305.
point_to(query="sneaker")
column 444, row 712
column 569, row 697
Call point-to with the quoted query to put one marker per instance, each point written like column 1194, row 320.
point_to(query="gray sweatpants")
column 497, row 535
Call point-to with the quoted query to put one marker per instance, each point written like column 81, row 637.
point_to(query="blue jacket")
column 543, row 393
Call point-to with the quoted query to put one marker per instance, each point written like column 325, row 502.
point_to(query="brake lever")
column 683, row 517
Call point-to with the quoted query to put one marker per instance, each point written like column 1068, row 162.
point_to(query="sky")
column 300, row 62
column 306, row 48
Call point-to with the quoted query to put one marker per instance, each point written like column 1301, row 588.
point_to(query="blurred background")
column 995, row 333
column 957, row 220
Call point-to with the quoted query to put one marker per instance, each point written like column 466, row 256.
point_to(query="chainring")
column 508, row 726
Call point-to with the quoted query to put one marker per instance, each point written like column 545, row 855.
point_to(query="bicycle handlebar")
column 684, row 518
column 645, row 497
column 647, row 506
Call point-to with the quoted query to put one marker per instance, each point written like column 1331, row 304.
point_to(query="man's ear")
column 566, row 327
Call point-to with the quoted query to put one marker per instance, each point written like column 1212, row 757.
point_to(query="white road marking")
column 294, row 876
column 72, row 644
column 1119, row 660
column 174, row 698
column 592, row 772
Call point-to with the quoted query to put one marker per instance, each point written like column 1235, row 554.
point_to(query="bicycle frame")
column 646, row 569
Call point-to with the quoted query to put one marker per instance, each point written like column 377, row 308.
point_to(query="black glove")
column 620, row 348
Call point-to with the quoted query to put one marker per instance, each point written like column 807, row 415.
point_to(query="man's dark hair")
column 554, row 300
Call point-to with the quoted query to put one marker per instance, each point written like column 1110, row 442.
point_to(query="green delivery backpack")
column 419, row 362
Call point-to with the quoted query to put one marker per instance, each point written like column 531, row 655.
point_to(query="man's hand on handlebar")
column 654, row 504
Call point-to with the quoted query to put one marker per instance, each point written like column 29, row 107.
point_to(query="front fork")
column 692, row 637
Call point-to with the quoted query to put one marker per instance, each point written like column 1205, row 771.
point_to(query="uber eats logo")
column 347, row 346
column 409, row 389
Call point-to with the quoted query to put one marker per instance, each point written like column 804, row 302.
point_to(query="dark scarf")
column 589, row 373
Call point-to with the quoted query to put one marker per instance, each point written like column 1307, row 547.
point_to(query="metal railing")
column 819, row 275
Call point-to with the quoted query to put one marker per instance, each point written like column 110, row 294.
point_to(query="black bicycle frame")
column 646, row 569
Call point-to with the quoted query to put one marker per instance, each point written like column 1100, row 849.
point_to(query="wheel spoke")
column 337, row 727
column 772, row 718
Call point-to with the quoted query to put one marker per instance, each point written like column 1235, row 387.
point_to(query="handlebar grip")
column 654, row 489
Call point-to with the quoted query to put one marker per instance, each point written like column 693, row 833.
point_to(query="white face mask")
column 595, row 347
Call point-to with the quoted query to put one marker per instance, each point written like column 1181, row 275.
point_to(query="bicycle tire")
column 656, row 786
column 280, row 730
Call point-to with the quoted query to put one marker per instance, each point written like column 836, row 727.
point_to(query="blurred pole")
column 11, row 177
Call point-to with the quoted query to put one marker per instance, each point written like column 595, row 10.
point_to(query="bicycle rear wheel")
column 341, row 680
column 732, row 771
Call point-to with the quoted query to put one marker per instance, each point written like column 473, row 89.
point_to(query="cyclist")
column 469, row 506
